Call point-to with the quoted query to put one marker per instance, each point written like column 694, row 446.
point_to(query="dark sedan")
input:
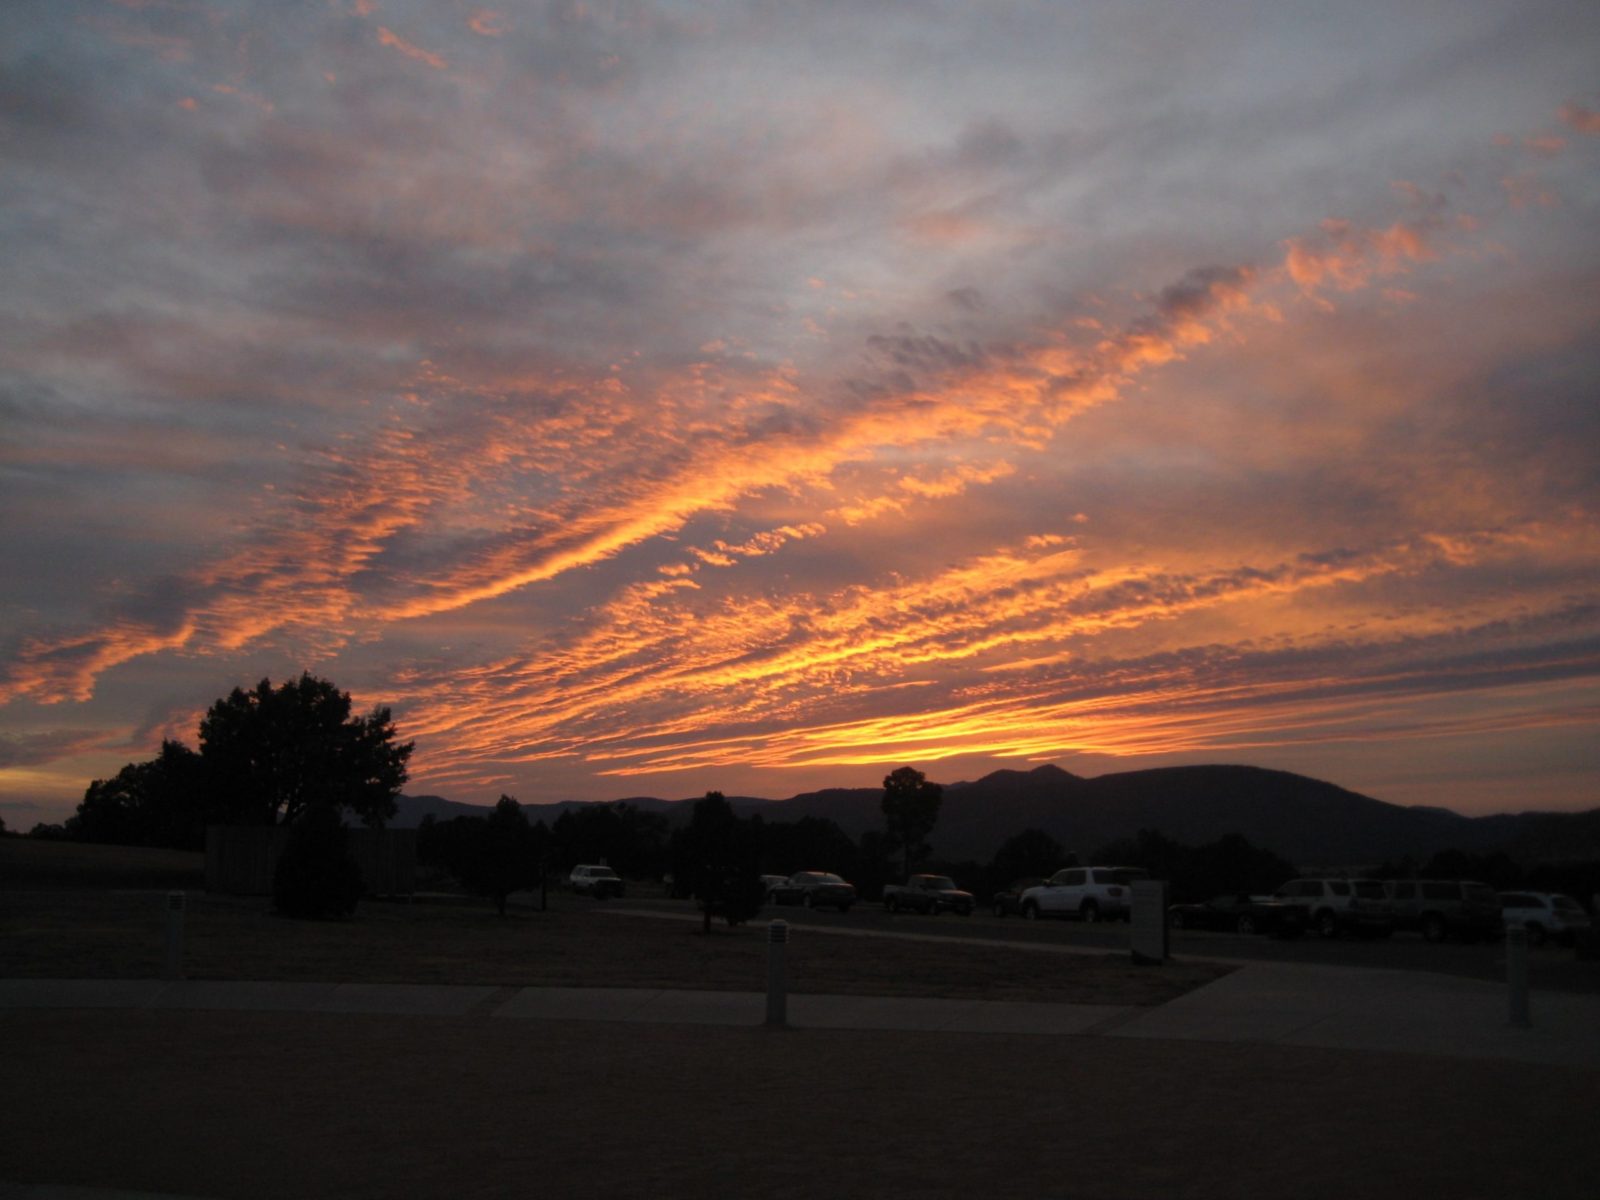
column 1008, row 902
column 814, row 889
column 1239, row 914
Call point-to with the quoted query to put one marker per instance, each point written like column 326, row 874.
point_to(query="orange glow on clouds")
column 627, row 395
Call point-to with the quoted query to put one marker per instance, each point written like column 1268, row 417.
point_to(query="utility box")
column 1148, row 924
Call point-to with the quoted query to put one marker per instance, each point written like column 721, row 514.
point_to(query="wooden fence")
column 240, row 859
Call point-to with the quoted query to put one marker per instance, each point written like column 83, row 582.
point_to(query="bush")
column 316, row 875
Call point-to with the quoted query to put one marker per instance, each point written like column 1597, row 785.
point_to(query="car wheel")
column 1090, row 911
column 1433, row 928
column 999, row 910
column 1175, row 920
column 1327, row 925
column 1536, row 934
column 934, row 910
column 892, row 904
column 966, row 912
column 1247, row 924
column 1030, row 911
column 805, row 901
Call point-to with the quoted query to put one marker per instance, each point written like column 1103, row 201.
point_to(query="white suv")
column 1088, row 893
column 1338, row 906
column 1544, row 915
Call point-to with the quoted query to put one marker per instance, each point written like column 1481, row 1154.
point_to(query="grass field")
column 34, row 863
column 100, row 912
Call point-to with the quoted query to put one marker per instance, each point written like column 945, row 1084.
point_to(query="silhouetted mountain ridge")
column 1308, row 821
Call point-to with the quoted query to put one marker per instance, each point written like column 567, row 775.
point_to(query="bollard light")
column 777, row 979
column 175, row 905
column 1517, row 975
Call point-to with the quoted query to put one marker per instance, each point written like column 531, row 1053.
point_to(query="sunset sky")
column 645, row 398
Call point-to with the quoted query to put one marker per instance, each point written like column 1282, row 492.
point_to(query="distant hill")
column 1308, row 821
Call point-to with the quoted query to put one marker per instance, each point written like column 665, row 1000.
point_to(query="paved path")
column 1288, row 1004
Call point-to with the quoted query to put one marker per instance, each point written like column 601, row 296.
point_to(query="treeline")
column 697, row 856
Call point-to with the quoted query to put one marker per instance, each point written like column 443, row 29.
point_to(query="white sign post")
column 1148, row 935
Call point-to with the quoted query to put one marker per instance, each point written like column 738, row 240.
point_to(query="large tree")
column 910, row 811
column 272, row 753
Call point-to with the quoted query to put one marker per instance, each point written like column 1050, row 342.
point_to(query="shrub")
column 316, row 875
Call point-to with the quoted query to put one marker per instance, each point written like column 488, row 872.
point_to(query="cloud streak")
column 617, row 401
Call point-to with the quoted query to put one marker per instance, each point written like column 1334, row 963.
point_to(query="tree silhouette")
column 1031, row 853
column 721, row 855
column 490, row 856
column 157, row 803
column 272, row 753
column 627, row 837
column 910, row 811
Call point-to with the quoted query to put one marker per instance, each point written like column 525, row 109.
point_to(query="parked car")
column 1544, row 915
column 1008, row 901
column 596, row 881
column 1359, row 906
column 1441, row 908
column 815, row 889
column 1238, row 913
column 768, row 882
column 931, row 894
column 1088, row 893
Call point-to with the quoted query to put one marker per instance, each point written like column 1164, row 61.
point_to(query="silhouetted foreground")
column 237, row 1105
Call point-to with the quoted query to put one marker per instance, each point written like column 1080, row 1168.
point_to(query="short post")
column 1517, row 975
column 777, row 979
column 175, row 903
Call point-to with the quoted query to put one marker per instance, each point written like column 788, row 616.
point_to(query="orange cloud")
column 387, row 37
column 318, row 568
column 486, row 22
column 1584, row 120
column 651, row 685
column 1347, row 258
column 944, row 227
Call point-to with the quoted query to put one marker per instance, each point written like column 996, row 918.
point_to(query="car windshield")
column 941, row 883
column 824, row 877
column 1565, row 904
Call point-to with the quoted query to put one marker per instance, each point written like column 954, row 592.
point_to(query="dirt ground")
column 239, row 1106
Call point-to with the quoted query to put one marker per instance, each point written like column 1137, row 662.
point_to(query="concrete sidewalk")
column 1290, row 1004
